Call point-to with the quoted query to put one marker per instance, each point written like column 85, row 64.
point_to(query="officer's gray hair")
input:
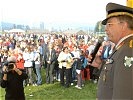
column 127, row 19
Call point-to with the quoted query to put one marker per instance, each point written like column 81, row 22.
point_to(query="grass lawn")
column 57, row 92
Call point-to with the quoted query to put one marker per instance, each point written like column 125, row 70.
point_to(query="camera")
column 9, row 65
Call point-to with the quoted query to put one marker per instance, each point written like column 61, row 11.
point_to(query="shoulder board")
column 131, row 43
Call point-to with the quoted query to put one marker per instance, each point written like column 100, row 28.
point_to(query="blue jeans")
column 74, row 77
column 38, row 72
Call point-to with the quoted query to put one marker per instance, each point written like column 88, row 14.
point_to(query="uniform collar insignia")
column 131, row 44
column 128, row 61
column 121, row 42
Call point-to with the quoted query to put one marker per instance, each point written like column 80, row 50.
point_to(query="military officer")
column 116, row 77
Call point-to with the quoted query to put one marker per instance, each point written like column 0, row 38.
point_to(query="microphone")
column 98, row 44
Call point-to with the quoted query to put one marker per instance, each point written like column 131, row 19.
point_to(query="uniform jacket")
column 116, row 78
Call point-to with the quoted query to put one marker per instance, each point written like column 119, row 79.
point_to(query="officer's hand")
column 4, row 69
column 96, row 62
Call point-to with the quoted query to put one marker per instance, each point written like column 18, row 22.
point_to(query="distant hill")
column 8, row 26
column 83, row 26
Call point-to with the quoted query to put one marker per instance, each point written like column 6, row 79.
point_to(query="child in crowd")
column 79, row 67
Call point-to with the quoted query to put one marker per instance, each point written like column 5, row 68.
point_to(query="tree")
column 99, row 27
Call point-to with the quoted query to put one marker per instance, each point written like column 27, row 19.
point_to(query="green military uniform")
column 116, row 78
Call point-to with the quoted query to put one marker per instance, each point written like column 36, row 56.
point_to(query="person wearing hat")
column 12, row 80
column 116, row 77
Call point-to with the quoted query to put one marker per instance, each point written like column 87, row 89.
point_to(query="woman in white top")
column 65, row 63
column 28, row 65
column 37, row 59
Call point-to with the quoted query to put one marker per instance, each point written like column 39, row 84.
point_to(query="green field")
column 57, row 92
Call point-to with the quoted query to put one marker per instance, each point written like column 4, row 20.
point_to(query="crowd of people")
column 66, row 58
column 62, row 56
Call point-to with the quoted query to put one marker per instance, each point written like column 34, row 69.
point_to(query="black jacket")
column 80, row 62
column 14, row 86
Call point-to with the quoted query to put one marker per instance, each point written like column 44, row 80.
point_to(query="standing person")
column 76, row 54
column 12, row 80
column 44, row 48
column 79, row 67
column 33, row 52
column 28, row 65
column 57, row 74
column 65, row 60
column 19, row 59
column 3, row 58
column 50, row 57
column 116, row 78
column 37, row 60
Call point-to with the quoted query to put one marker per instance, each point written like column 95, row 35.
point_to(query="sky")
column 55, row 13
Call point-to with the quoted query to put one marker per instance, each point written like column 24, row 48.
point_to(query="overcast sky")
column 54, row 11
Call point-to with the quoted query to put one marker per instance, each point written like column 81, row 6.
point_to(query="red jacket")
column 20, row 63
